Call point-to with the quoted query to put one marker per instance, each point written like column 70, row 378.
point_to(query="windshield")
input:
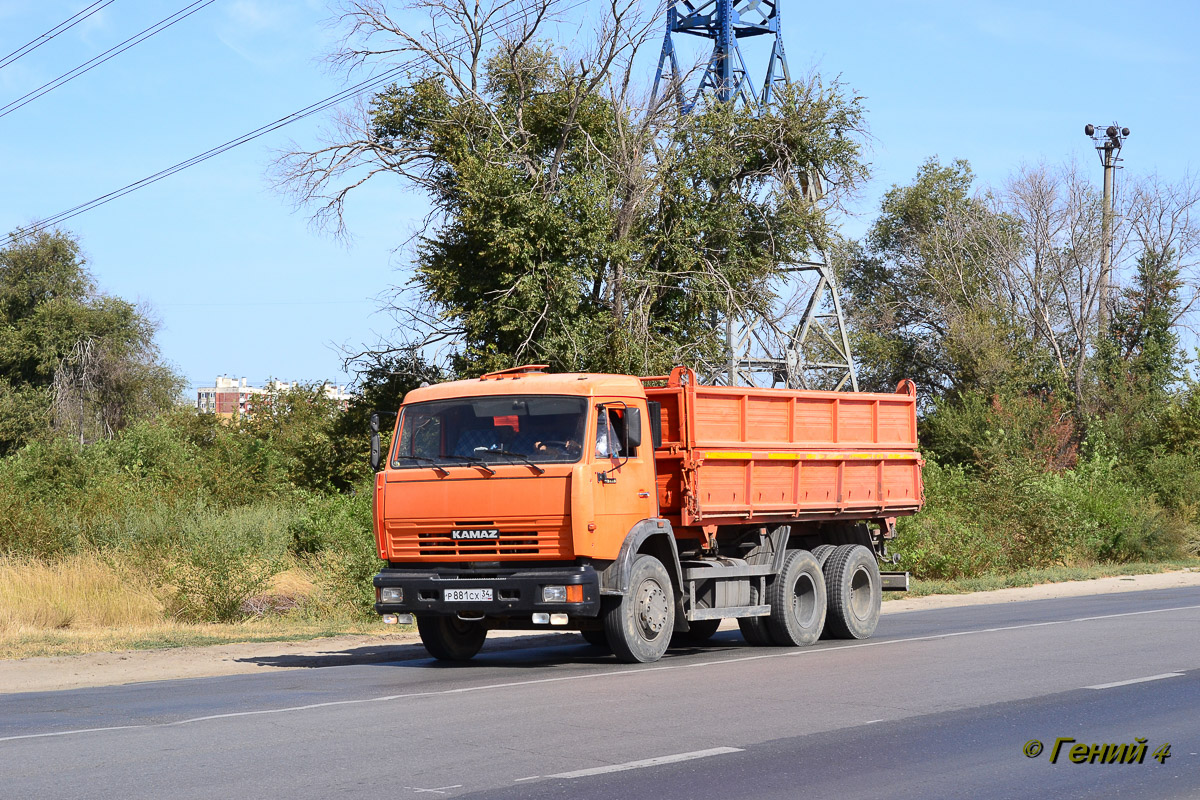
column 507, row 429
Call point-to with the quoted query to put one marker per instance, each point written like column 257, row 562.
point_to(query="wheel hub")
column 652, row 608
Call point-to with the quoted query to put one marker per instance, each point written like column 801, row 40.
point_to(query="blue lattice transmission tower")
column 808, row 349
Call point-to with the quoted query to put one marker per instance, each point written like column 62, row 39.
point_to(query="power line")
column 295, row 116
column 334, row 99
column 62, row 27
column 112, row 52
column 258, row 303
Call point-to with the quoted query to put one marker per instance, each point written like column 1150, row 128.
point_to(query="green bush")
column 948, row 539
column 992, row 431
column 1020, row 517
column 1174, row 481
column 224, row 560
column 334, row 538
column 1111, row 517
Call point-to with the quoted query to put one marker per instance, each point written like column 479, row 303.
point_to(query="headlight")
column 554, row 594
column 390, row 594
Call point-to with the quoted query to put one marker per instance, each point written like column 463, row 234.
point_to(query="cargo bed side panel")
column 735, row 454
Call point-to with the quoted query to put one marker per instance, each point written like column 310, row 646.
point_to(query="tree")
column 1052, row 269
column 573, row 222
column 927, row 297
column 1142, row 338
column 71, row 358
column 383, row 379
column 1000, row 291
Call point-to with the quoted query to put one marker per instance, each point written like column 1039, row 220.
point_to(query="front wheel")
column 797, row 599
column 451, row 638
column 596, row 638
column 639, row 626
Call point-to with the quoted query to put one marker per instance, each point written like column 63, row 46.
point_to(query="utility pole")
column 1108, row 147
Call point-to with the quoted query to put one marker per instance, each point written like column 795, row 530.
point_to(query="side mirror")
column 375, row 454
column 633, row 428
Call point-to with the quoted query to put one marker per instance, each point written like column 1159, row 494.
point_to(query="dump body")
column 736, row 455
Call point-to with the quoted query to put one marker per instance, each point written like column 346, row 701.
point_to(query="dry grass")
column 294, row 583
column 31, row 643
column 79, row 591
column 84, row 603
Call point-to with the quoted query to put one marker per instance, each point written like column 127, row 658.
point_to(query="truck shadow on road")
column 526, row 652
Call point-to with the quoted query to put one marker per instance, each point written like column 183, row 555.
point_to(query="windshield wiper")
column 521, row 456
column 429, row 461
column 474, row 462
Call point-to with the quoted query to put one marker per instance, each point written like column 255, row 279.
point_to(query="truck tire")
column 855, row 592
column 596, row 638
column 797, row 600
column 754, row 629
column 821, row 553
column 451, row 638
column 699, row 631
column 639, row 626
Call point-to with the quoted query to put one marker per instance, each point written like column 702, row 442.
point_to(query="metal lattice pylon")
column 812, row 351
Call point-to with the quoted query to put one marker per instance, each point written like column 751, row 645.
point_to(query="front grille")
column 426, row 541
column 433, row 544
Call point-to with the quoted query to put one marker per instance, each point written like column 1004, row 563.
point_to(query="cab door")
column 621, row 472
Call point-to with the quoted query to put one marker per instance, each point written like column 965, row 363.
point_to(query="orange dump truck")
column 635, row 510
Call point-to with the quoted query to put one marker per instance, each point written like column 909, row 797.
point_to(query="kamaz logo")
column 474, row 533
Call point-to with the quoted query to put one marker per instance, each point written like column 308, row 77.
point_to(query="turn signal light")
column 575, row 594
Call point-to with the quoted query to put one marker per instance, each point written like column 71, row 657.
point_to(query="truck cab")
column 525, row 500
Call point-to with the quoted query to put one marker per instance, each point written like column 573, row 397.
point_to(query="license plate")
column 468, row 595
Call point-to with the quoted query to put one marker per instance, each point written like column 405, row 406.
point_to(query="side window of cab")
column 611, row 439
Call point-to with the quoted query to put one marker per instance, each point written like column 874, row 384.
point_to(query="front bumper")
column 514, row 591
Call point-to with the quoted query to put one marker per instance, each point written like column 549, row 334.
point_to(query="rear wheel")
column 822, row 552
column 639, row 626
column 754, row 629
column 855, row 592
column 797, row 600
column 451, row 638
column 699, row 631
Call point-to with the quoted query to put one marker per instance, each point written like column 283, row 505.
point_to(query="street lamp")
column 1108, row 146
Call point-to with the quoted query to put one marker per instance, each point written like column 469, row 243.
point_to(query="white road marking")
column 646, row 762
column 1115, row 684
column 68, row 733
column 441, row 790
column 797, row 653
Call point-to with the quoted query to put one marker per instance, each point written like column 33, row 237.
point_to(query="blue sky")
column 242, row 284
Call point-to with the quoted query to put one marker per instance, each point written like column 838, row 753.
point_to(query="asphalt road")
column 940, row 703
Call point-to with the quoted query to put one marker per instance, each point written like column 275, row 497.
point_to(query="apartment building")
column 234, row 397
